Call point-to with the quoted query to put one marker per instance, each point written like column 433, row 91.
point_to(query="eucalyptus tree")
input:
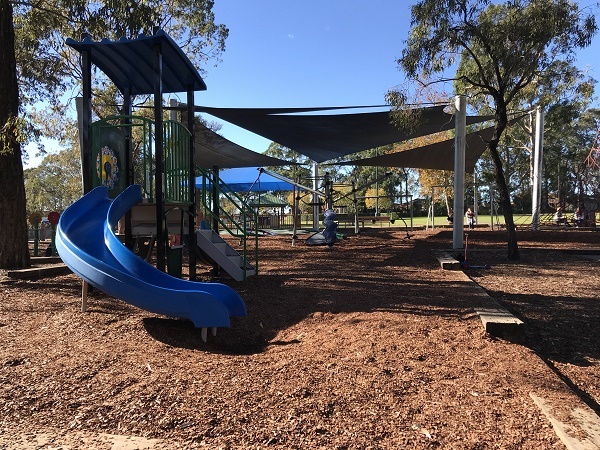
column 299, row 170
column 38, row 67
column 373, row 195
column 565, row 157
column 562, row 100
column 55, row 183
column 502, row 48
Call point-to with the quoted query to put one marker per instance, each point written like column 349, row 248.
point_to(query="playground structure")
column 164, row 163
column 89, row 246
column 40, row 233
column 331, row 194
column 139, row 178
column 324, row 195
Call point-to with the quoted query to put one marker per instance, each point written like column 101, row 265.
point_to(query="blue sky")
column 284, row 53
column 291, row 53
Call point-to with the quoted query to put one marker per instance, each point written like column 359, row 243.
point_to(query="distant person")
column 559, row 219
column 579, row 217
column 470, row 215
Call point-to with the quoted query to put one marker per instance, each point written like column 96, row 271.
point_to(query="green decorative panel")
column 108, row 159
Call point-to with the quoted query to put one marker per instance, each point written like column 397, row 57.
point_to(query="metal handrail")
column 240, row 228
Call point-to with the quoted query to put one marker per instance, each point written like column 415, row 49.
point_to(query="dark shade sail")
column 129, row 63
column 439, row 155
column 323, row 137
column 212, row 149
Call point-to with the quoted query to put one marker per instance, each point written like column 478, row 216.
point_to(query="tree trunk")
column 14, row 251
column 501, row 123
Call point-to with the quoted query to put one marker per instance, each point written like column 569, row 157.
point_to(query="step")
column 39, row 272
column 223, row 254
column 447, row 262
column 499, row 322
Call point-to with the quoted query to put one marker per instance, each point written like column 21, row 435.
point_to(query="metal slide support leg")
column 84, row 295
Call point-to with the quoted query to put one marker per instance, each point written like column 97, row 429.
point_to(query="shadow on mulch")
column 560, row 317
column 569, row 335
column 182, row 334
column 381, row 277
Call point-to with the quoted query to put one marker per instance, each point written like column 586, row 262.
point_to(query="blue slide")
column 87, row 244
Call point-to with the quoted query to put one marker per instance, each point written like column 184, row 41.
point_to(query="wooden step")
column 39, row 272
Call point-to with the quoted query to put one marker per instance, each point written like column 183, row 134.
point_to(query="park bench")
column 380, row 220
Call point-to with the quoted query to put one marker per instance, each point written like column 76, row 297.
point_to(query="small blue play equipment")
column 330, row 227
column 329, row 234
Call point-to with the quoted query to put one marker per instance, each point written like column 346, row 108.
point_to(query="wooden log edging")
column 39, row 272
column 497, row 321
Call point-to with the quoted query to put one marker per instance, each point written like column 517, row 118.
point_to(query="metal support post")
column 536, row 196
column 459, row 171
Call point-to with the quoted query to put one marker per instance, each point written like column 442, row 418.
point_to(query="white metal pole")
column 475, row 197
column 460, row 103
column 491, row 208
column 432, row 206
column 173, row 113
column 538, row 152
column 295, row 214
column 315, row 197
column 376, row 187
column 355, row 202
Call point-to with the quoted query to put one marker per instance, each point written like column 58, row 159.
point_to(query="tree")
column 565, row 156
column 301, row 170
column 390, row 179
column 37, row 66
column 55, row 183
column 378, row 197
column 440, row 182
column 503, row 49
column 14, row 250
column 563, row 99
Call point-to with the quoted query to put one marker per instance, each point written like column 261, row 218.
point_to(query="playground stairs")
column 223, row 254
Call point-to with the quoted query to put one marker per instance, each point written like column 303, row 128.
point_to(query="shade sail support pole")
column 538, row 150
column 460, row 103
column 315, row 197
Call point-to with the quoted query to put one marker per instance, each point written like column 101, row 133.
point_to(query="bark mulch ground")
column 369, row 344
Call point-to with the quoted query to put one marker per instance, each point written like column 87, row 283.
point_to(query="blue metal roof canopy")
column 146, row 65
column 249, row 179
column 129, row 63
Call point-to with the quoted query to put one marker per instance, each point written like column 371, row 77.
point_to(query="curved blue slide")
column 87, row 244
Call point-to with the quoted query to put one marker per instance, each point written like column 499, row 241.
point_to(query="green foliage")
column 565, row 150
column 507, row 52
column 55, row 183
column 11, row 132
column 342, row 197
column 374, row 197
column 516, row 59
column 440, row 182
column 49, row 71
column 502, row 47
column 302, row 170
